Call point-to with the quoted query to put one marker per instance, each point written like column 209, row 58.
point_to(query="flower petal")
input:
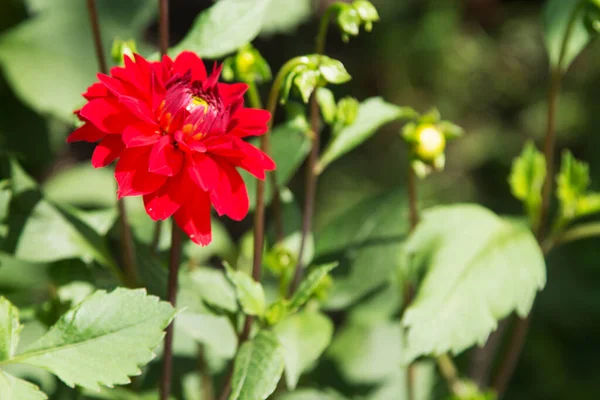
column 233, row 94
column 188, row 61
column 107, row 114
column 249, row 122
column 140, row 134
column 165, row 159
column 138, row 108
column 107, row 151
column 132, row 175
column 86, row 133
column 165, row 201
column 230, row 197
column 96, row 90
column 194, row 217
column 204, row 171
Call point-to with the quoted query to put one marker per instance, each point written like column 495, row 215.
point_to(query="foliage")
column 365, row 278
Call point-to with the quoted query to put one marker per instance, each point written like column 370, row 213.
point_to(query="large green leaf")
column 59, row 38
column 82, row 186
column 213, row 287
column 258, row 367
column 284, row 15
column 9, row 329
column 102, row 341
column 303, row 336
column 479, row 269
column 367, row 354
column 373, row 113
column 224, row 27
column 215, row 332
column 395, row 386
column 35, row 223
column 289, row 148
column 367, row 239
column 12, row 388
column 557, row 15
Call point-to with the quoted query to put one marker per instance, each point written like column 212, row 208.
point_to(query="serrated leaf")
column 69, row 61
column 102, row 341
column 479, row 269
column 367, row 354
column 303, row 336
column 250, row 294
column 557, row 15
column 258, row 367
column 526, row 179
column 309, row 285
column 9, row 329
column 373, row 113
column 289, row 147
column 13, row 388
column 224, row 27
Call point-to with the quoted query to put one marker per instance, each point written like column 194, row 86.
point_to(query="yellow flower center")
column 431, row 142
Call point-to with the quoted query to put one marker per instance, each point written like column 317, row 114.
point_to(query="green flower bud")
column 430, row 142
column 349, row 21
column 246, row 65
column 280, row 260
column 122, row 48
column 368, row 13
column 323, row 290
column 276, row 312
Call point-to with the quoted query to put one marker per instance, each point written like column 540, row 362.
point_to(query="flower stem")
column 408, row 286
column 156, row 237
column 163, row 6
column 127, row 247
column 310, row 190
column 519, row 334
column 174, row 261
column 583, row 231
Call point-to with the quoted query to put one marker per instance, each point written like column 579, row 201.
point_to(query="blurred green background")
column 481, row 62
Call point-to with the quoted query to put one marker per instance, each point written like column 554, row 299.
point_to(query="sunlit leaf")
column 224, row 27
column 373, row 113
column 527, row 179
column 102, row 341
column 250, row 294
column 309, row 285
column 18, row 389
column 472, row 280
column 9, row 329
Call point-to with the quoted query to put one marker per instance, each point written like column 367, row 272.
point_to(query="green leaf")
column 257, row 369
column 333, row 71
column 309, row 285
column 224, row 27
column 9, row 329
column 68, row 58
column 289, row 146
column 82, row 186
column 373, row 113
column 214, row 288
column 327, row 102
column 36, row 223
column 527, row 179
column 394, row 387
column 473, row 279
column 283, row 16
column 12, row 388
column 557, row 16
column 303, row 336
column 102, row 341
column 367, row 354
column 215, row 332
column 250, row 294
column 312, row 394
column 366, row 238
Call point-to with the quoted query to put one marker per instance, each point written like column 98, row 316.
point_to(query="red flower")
column 178, row 135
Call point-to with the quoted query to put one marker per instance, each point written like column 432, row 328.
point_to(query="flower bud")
column 247, row 65
column 122, row 48
column 347, row 111
column 280, row 260
column 430, row 142
column 368, row 13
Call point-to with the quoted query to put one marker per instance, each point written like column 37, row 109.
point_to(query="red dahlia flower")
column 178, row 136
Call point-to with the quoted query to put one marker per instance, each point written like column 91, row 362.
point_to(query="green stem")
column 582, row 231
column 519, row 334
